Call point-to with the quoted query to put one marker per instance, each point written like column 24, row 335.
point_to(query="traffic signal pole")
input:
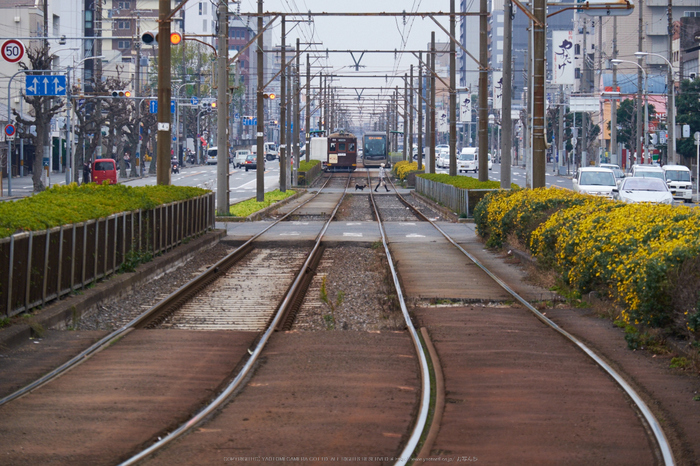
column 164, row 93
column 260, row 162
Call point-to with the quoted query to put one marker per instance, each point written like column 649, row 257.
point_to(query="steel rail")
column 149, row 314
column 654, row 425
column 235, row 383
column 422, row 419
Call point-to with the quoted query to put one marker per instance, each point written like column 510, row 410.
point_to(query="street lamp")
column 671, row 107
column 616, row 61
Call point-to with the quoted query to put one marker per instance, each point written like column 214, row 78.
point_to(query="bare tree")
column 44, row 108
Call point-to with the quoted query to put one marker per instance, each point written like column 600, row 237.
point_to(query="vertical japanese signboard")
column 563, row 57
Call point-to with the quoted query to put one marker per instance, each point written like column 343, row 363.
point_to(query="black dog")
column 360, row 187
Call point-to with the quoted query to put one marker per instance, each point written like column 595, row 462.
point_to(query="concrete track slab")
column 340, row 395
column 518, row 393
column 23, row 364
column 442, row 272
column 119, row 399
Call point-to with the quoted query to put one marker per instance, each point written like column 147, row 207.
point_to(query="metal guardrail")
column 461, row 201
column 39, row 266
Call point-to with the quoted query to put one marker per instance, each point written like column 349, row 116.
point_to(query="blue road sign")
column 250, row 121
column 194, row 101
column 45, row 84
column 153, row 106
column 236, row 116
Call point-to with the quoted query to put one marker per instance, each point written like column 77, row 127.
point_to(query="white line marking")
column 356, row 235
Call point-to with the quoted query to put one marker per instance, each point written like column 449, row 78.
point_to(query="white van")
column 239, row 157
column 678, row 181
column 468, row 160
column 212, row 155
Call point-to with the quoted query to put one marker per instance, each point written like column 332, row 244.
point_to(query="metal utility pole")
column 164, row 95
column 506, row 123
column 222, row 187
column 539, row 131
column 483, row 94
column 409, row 109
column 671, row 108
column 586, row 89
column 405, row 115
column 431, row 162
column 420, row 111
column 640, row 128
column 296, row 125
column 283, row 110
column 308, row 108
column 613, row 102
column 453, row 93
column 260, row 135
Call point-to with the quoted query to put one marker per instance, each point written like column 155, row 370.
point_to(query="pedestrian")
column 382, row 178
column 86, row 172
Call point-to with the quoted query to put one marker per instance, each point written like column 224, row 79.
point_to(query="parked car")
column 442, row 160
column 617, row 171
column 647, row 171
column 678, row 181
column 468, row 160
column 596, row 181
column 640, row 189
column 104, row 170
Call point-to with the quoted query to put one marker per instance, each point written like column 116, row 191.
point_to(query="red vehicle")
column 104, row 170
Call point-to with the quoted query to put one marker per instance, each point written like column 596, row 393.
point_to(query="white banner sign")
column 465, row 107
column 584, row 104
column 497, row 89
column 563, row 57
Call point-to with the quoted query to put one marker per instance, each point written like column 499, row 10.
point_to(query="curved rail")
column 195, row 284
column 649, row 417
column 262, row 342
column 418, row 428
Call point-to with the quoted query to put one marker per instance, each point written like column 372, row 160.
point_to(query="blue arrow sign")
column 153, row 106
column 45, row 84
column 194, row 101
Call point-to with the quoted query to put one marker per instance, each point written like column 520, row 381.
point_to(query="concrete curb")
column 255, row 216
column 63, row 313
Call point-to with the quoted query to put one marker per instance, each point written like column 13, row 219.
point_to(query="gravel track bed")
column 393, row 210
column 113, row 315
column 369, row 302
column 355, row 208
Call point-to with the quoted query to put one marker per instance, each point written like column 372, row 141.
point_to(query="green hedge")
column 463, row 182
column 305, row 166
column 63, row 205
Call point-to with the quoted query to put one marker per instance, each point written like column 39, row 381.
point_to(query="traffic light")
column 269, row 95
column 151, row 38
column 213, row 104
column 121, row 93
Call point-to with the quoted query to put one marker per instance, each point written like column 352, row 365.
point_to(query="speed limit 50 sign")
column 12, row 50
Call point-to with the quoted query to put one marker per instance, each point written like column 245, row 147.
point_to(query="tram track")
column 157, row 313
column 653, row 426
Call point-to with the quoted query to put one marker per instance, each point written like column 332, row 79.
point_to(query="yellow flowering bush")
column 519, row 211
column 645, row 257
column 403, row 168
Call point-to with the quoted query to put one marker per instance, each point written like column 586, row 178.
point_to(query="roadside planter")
column 42, row 265
column 460, row 200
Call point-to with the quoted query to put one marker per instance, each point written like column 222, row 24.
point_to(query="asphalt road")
column 242, row 184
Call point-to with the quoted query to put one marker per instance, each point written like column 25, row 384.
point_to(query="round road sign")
column 12, row 50
column 10, row 130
